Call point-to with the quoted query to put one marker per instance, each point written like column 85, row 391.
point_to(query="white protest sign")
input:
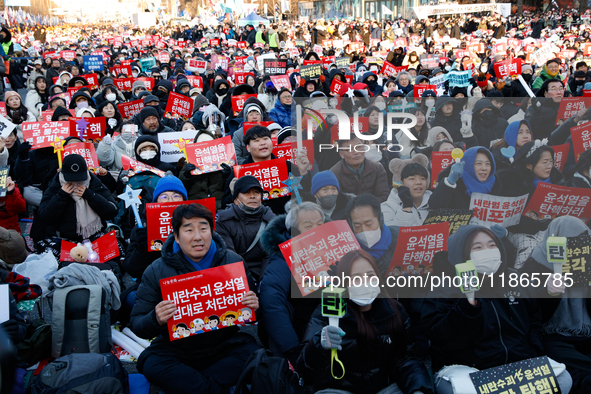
column 542, row 55
column 170, row 153
column 490, row 210
column 6, row 127
column 261, row 60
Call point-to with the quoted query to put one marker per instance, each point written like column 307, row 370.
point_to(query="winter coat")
column 537, row 28
column 487, row 131
column 58, row 208
column 239, row 230
column 33, row 103
column 33, row 76
column 452, row 123
column 109, row 155
column 395, row 216
column 204, row 185
column 281, row 114
column 10, row 207
column 137, row 256
column 38, row 169
column 542, row 119
column 373, row 179
column 539, row 81
column 376, row 89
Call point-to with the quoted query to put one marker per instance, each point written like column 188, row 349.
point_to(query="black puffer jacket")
column 390, row 361
column 452, row 123
column 484, row 129
column 38, row 169
column 541, row 115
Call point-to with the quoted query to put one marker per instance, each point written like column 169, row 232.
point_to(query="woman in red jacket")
column 11, row 206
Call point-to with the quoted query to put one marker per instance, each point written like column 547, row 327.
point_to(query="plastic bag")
column 38, row 268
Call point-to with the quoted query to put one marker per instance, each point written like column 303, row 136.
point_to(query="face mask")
column 526, row 77
column 164, row 74
column 327, row 202
column 486, row 261
column 112, row 122
column 148, row 154
column 371, row 82
column 126, row 136
column 374, row 154
column 222, row 91
column 447, row 68
column 430, row 103
column 159, row 93
column 579, row 83
column 134, row 74
column 82, row 104
column 363, row 295
column 111, row 96
column 487, row 116
column 249, row 210
column 381, row 106
column 370, row 238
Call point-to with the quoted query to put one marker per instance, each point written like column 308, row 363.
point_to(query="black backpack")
column 266, row 374
column 88, row 373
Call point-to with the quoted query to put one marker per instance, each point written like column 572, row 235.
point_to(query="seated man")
column 206, row 363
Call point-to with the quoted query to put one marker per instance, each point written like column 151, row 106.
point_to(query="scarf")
column 538, row 180
column 473, row 185
column 87, row 221
column 205, row 262
column 378, row 250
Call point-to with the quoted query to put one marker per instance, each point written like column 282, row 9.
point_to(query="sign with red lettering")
column 560, row 155
column 84, row 149
column 208, row 156
column 68, row 55
column 43, row 134
column 95, row 130
column 439, row 162
column 508, row 68
column 416, row 247
column 179, row 107
column 159, row 217
column 219, row 61
column 123, row 84
column 287, row 150
column 490, row 210
column 309, row 255
column 130, row 109
column 134, row 167
column 270, row 174
column 388, row 69
column 238, row 102
column 164, row 57
column 281, row 81
column 207, row 300
column 197, row 65
column 120, row 69
column 581, row 136
column 550, row 201
column 105, row 247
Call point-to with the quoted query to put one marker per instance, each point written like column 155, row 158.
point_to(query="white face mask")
column 486, row 261
column 381, row 106
column 430, row 103
column 164, row 74
column 134, row 74
column 370, row 238
column 447, row 68
column 148, row 154
column 126, row 136
column 111, row 96
column 363, row 295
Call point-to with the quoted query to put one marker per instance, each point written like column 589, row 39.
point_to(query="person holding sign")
column 497, row 327
column 109, row 150
column 206, row 363
column 253, row 111
column 374, row 340
column 281, row 113
column 76, row 203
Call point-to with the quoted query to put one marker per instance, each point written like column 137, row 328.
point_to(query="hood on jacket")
column 8, row 35
column 366, row 75
column 151, row 140
column 433, row 132
column 420, row 78
column 441, row 101
column 334, row 73
column 456, row 242
column 275, row 234
column 210, row 110
column 218, row 83
column 244, row 88
column 512, row 131
column 59, row 111
column 485, row 103
column 264, row 115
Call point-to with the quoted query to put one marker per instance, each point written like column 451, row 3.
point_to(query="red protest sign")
column 123, row 84
column 195, row 81
column 281, row 81
column 148, row 82
column 270, row 174
column 84, row 149
column 159, row 217
column 500, row 48
column 416, row 247
column 130, row 109
column 309, row 255
column 164, row 57
column 135, row 166
column 68, row 55
column 47, row 115
column 43, row 134
column 179, row 107
column 214, row 42
column 420, row 89
column 550, row 201
column 51, row 54
column 95, row 130
column 208, row 156
column 439, row 162
column 92, row 80
column 508, row 68
column 560, row 155
column 476, row 48
column 3, row 109
column 207, row 300
column 289, row 149
column 121, row 69
column 241, row 78
column 242, row 44
column 400, row 42
column 388, row 69
column 219, row 61
column 238, row 102
column 308, row 62
column 461, row 53
column 327, row 61
column 581, row 136
column 105, row 247
column 569, row 106
column 335, row 87
column 514, row 43
column 247, row 125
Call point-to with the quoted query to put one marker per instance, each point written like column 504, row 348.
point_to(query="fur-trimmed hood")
column 275, row 234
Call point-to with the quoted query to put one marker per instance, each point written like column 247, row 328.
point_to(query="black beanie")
column 148, row 111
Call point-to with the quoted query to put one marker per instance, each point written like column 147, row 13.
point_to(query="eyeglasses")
column 555, row 89
column 548, row 163
column 165, row 197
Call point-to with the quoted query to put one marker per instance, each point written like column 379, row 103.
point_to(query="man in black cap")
column 242, row 224
column 150, row 122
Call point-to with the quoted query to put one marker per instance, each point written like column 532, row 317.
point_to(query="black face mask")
column 526, row 77
column 371, row 82
column 579, row 83
column 222, row 91
column 159, row 93
column 488, row 116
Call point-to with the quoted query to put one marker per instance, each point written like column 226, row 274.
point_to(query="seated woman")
column 16, row 112
column 487, row 330
column 517, row 134
column 373, row 340
column 582, row 177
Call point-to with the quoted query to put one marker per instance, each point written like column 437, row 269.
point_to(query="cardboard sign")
column 416, row 247
column 455, row 217
column 581, row 136
column 121, row 69
column 208, row 156
column 86, row 150
column 508, row 68
column 270, row 174
column 92, row 80
column 148, row 82
column 238, row 102
column 275, row 66
column 123, row 84
column 129, row 109
column 309, row 255
column 542, row 55
column 570, row 106
column 4, row 180
column 439, row 162
column 93, row 63
column 311, row 71
column 105, row 247
column 420, row 89
column 207, row 300
column 95, row 130
column 281, row 81
column 550, row 201
column 179, row 107
column 169, row 152
column 159, row 219
column 134, row 166
column 195, row 81
column 289, row 149
column 6, row 126
column 560, row 155
column 43, row 134
column 534, row 375
column 490, row 210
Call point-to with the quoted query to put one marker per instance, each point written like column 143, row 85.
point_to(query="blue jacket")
column 280, row 114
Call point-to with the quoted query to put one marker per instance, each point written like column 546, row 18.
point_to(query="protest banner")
column 311, row 71
column 476, row 48
column 270, row 174
column 429, row 61
column 581, row 136
column 560, row 155
column 93, row 63
column 308, row 62
column 327, row 61
column 275, row 66
column 455, row 217
column 288, row 150
column 490, row 210
column 135, row 167
column 86, row 150
column 219, row 61
column 578, row 254
column 569, row 106
column 164, row 57
column 416, row 247
column 439, row 162
column 281, row 81
column 146, row 64
column 169, row 152
column 179, row 107
column 197, row 65
column 459, row 78
column 130, row 109
column 95, row 128
column 148, row 82
column 550, row 201
column 106, row 248
column 6, row 127
column 121, row 69
column 309, row 255
column 335, row 87
column 533, row 375
column 159, row 219
column 214, row 42
column 508, row 68
column 208, row 156
column 542, row 55
column 388, row 69
column 238, row 102
column 92, row 80
column 342, row 62
column 47, row 115
column 207, row 300
column 421, row 88
column 196, row 81
column 123, row 84
column 43, row 134
column 4, row 172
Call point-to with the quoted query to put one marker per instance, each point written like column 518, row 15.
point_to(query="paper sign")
column 281, row 81
column 179, row 107
column 164, row 57
column 130, row 109
column 168, row 151
column 550, row 201
column 106, row 247
column 311, row 71
column 147, row 64
column 95, row 130
column 581, row 136
column 420, row 89
column 459, row 78
column 92, row 80
column 275, row 66
column 238, row 102
column 207, row 300
column 93, row 63
column 6, row 127
column 218, row 61
column 309, row 255
column 508, row 68
column 148, row 82
column 440, row 161
column 159, row 219
column 542, row 55
column 247, row 125
column 388, row 69
column 86, row 150
column 123, row 84
column 429, row 61
column 342, row 62
column 3, row 180
column 121, row 69
column 578, row 256
column 416, row 247
column 270, row 174
column 43, row 134
column 466, row 271
column 289, row 149
column 570, row 106
column 560, row 155
column 490, row 210
column 135, row 166
column 47, row 115
column 455, row 217
column 197, row 66
column 208, row 156
column 195, row 81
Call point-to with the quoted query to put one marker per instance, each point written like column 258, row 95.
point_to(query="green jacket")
column 259, row 37
column 539, row 81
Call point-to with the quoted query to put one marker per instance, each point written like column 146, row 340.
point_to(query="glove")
column 188, row 168
column 331, row 338
column 141, row 238
column 466, row 132
column 10, row 327
column 543, row 224
column 107, row 139
column 226, row 169
column 112, row 122
column 555, row 290
column 405, row 197
column 23, row 150
column 507, row 81
column 457, row 169
column 499, row 231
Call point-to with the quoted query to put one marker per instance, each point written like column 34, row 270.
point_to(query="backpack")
column 266, row 374
column 81, row 321
column 87, row 373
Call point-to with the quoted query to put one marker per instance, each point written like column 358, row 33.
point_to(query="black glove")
column 405, row 197
column 188, row 168
column 141, row 238
column 543, row 224
column 10, row 327
column 23, row 150
column 226, row 169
